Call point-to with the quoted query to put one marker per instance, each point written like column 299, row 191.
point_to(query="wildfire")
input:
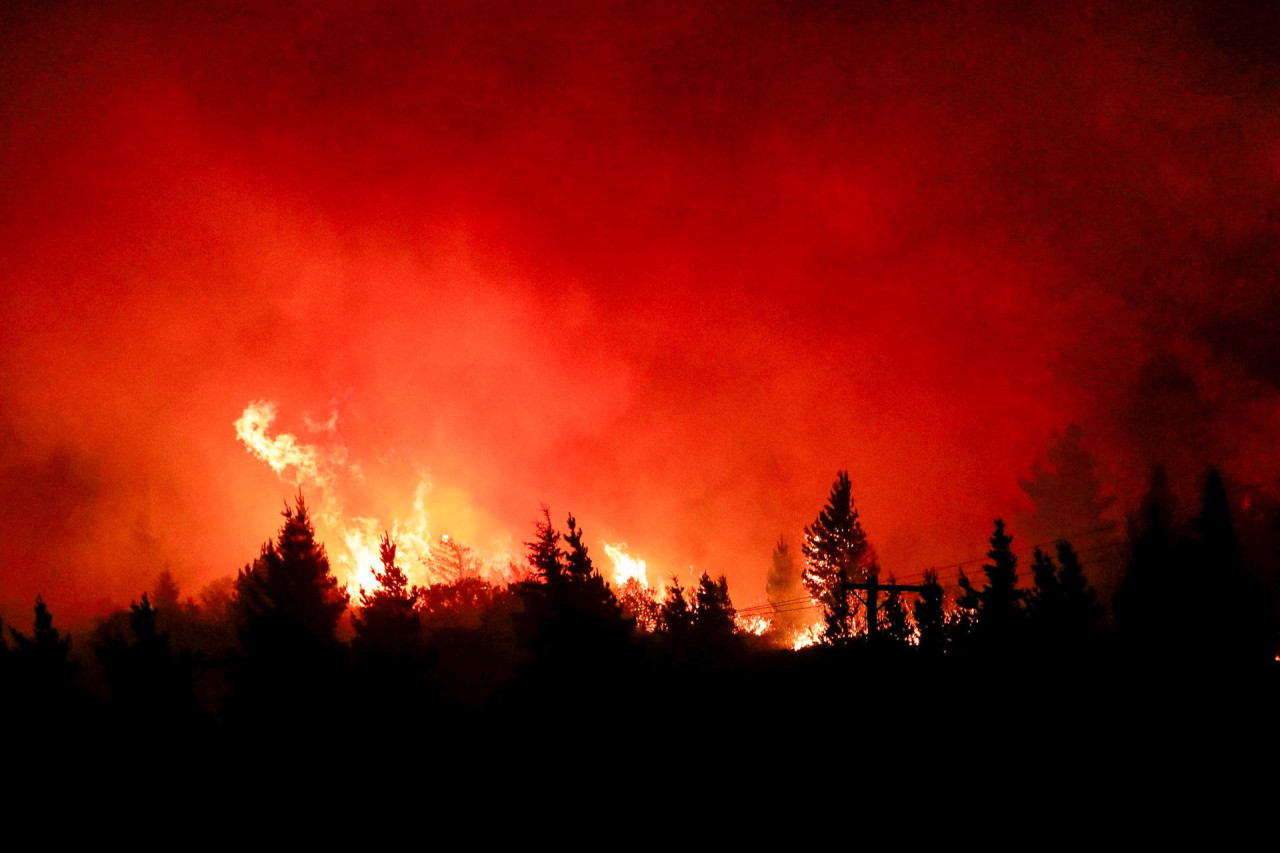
column 282, row 452
column 807, row 637
column 316, row 469
column 756, row 625
column 626, row 567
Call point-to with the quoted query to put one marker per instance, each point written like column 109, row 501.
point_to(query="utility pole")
column 873, row 588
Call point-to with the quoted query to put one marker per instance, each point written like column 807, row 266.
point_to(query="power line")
column 796, row 605
column 1103, row 529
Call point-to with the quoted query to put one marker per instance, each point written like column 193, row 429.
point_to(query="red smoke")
column 669, row 268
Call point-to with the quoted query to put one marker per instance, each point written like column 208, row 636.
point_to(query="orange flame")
column 625, row 567
column 315, row 468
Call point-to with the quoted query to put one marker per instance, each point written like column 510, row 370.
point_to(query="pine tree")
column 783, row 587
column 288, row 593
column 545, row 557
column 1239, row 627
column 1000, row 602
column 451, row 561
column 1066, row 489
column 42, row 662
column 676, row 616
column 639, row 604
column 713, row 611
column 782, row 581
column 1149, row 606
column 578, row 568
column 585, row 589
column 1062, row 607
column 1046, row 595
column 836, row 554
column 1080, row 608
column 166, row 594
column 387, row 623
column 153, row 686
column 930, row 615
column 894, row 623
column 46, row 649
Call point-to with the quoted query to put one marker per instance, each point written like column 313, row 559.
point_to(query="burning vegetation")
column 417, row 624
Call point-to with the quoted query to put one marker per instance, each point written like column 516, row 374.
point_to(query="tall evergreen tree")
column 1046, row 593
column 1001, row 599
column 713, row 612
column 836, row 554
column 1239, row 627
column 586, row 590
column 1066, row 489
column 930, row 615
column 894, row 623
column 578, row 567
column 545, row 557
column 1062, row 607
column 639, row 604
column 783, row 587
column 44, row 658
column 165, row 595
column 783, row 581
column 451, row 561
column 676, row 615
column 962, row 622
column 153, row 686
column 288, row 594
column 1149, row 605
column 387, row 622
column 1080, row 608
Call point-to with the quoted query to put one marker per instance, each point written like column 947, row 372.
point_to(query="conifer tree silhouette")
column 578, row 567
column 289, row 593
column 1001, row 599
column 44, row 687
column 1149, row 606
column 783, row 587
column 1080, row 608
column 676, row 616
column 587, row 589
column 1065, row 488
column 1062, row 608
column 836, row 554
column 930, row 615
column 152, row 686
column 545, row 556
column 962, row 622
column 639, row 604
column 712, row 612
column 289, row 604
column 44, row 658
column 387, row 622
column 894, row 623
column 992, row 615
column 451, row 561
column 1239, row 627
column 1045, row 600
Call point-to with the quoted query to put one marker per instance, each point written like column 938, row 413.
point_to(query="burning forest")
column 577, row 383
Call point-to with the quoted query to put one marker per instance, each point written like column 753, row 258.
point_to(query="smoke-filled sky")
column 668, row 266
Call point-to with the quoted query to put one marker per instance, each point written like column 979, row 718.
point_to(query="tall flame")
column 282, row 452
column 626, row 567
column 316, row 468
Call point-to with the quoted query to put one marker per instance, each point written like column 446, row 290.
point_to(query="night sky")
column 668, row 266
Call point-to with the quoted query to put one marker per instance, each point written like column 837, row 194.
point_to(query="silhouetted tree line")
column 283, row 655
